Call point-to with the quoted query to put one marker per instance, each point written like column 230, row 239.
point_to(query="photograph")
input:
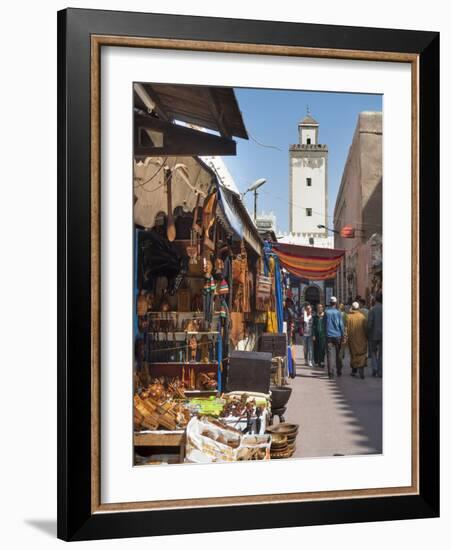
column 257, row 274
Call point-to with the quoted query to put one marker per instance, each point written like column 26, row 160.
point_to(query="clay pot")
column 280, row 396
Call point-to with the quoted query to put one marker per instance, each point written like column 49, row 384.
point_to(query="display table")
column 162, row 438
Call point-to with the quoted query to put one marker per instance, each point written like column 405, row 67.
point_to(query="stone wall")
column 359, row 203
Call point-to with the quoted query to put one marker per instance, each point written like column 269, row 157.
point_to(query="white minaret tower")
column 308, row 186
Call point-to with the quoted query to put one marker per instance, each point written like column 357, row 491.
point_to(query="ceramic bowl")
column 278, row 439
column 284, row 428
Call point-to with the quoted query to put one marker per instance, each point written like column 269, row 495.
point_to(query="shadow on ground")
column 47, row 526
column 361, row 402
column 342, row 416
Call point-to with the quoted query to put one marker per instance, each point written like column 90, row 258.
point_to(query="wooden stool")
column 277, row 412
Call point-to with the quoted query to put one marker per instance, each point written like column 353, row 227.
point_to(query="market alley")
column 342, row 416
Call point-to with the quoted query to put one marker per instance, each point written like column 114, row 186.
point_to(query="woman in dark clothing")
column 319, row 336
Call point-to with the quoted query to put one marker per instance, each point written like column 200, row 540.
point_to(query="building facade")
column 359, row 205
column 308, row 206
column 267, row 226
column 308, row 187
column 307, row 239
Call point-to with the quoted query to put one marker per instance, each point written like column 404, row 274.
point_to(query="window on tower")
column 309, row 182
column 308, row 211
column 309, row 141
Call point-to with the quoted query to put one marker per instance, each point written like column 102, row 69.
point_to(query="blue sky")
column 271, row 117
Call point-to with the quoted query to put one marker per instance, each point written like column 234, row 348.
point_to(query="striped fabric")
column 308, row 262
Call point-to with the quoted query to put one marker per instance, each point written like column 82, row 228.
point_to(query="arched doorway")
column 312, row 295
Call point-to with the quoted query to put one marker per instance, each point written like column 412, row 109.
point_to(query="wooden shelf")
column 199, row 313
column 183, row 363
column 177, row 312
column 159, row 439
column 200, row 393
column 201, row 332
column 164, row 438
column 181, row 332
column 186, row 332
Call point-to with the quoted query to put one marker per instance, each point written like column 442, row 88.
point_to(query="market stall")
column 169, row 422
column 203, row 302
column 205, row 292
column 194, row 287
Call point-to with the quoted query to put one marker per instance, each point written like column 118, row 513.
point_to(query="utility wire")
column 263, row 144
column 142, row 184
column 290, row 203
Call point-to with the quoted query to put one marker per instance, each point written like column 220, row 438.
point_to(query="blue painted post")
column 135, row 286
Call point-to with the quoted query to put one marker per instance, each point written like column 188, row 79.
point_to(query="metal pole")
column 255, row 206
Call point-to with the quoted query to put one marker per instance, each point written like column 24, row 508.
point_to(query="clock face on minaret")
column 308, row 181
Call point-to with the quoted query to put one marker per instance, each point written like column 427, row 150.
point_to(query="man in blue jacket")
column 334, row 336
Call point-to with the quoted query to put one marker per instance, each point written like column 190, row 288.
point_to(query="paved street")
column 341, row 416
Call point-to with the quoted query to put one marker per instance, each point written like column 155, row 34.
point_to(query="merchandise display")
column 203, row 296
column 209, row 440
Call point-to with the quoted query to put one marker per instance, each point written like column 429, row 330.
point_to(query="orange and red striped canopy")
column 309, row 262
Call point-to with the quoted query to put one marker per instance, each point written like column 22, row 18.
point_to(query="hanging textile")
column 272, row 268
column 279, row 295
column 242, row 284
column 208, row 294
column 262, row 293
column 237, row 331
column 290, row 363
column 309, row 262
column 271, row 322
column 219, row 354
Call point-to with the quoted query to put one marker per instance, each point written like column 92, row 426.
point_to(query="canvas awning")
column 309, row 262
column 228, row 213
column 190, row 178
column 233, row 211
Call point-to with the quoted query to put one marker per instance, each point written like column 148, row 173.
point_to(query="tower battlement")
column 308, row 147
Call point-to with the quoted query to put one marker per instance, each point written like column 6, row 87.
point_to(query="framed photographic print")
column 248, row 241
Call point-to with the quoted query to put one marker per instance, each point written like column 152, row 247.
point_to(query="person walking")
column 334, row 337
column 319, row 336
column 363, row 308
column 301, row 321
column 344, row 352
column 308, row 335
column 357, row 340
column 289, row 317
column 375, row 336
